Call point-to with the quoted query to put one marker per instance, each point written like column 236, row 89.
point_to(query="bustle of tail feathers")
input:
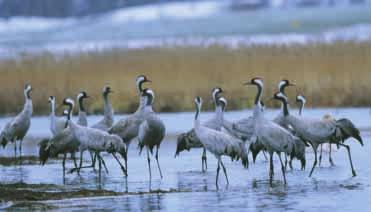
column 141, row 146
column 110, row 130
column 187, row 141
column 238, row 152
column 255, row 148
column 298, row 152
column 3, row 140
column 44, row 152
column 182, row 143
column 348, row 129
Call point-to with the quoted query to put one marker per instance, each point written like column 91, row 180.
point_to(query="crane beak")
column 148, row 80
column 247, row 83
column 291, row 84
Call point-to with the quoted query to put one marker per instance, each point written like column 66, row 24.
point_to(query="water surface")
column 184, row 186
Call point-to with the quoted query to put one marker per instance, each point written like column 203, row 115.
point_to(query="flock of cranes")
column 286, row 135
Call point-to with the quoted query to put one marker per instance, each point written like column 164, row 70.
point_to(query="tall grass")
column 336, row 74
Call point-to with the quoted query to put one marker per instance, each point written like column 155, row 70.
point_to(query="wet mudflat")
column 184, row 186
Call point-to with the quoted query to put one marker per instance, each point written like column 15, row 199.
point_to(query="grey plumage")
column 348, row 130
column 151, row 131
column 244, row 130
column 127, row 128
column 62, row 142
column 95, row 140
column 106, row 123
column 219, row 143
column 299, row 150
column 272, row 136
column 16, row 129
column 316, row 131
column 189, row 140
column 280, row 119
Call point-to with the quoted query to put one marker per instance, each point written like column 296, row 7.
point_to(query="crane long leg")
column 271, row 169
column 315, row 159
column 20, row 150
column 15, row 149
column 104, row 164
column 158, row 164
column 330, row 158
column 283, row 168
column 320, row 157
column 149, row 166
column 225, row 171
column 265, row 156
column 81, row 155
column 122, row 167
column 100, row 165
column 64, row 164
column 204, row 160
column 217, row 174
column 93, row 160
column 74, row 159
column 290, row 163
column 126, row 158
column 350, row 159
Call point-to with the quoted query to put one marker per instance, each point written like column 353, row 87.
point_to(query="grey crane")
column 326, row 117
column 272, row 136
column 16, row 129
column 189, row 140
column 244, row 130
column 82, row 118
column 127, row 128
column 151, row 131
column 280, row 120
column 317, row 131
column 95, row 140
column 219, row 143
column 300, row 99
column 62, row 142
column 106, row 123
column 83, row 121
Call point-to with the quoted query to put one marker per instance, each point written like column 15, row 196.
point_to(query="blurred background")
column 186, row 48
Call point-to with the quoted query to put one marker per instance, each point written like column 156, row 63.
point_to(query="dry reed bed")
column 336, row 74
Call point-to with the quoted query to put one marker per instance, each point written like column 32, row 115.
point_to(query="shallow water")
column 184, row 186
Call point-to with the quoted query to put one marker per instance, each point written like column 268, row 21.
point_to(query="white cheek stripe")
column 80, row 95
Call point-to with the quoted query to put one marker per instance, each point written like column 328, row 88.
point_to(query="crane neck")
column 301, row 108
column 285, row 107
column 219, row 112
column 52, row 108
column 28, row 108
column 108, row 111
column 197, row 114
column 81, row 104
column 258, row 95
